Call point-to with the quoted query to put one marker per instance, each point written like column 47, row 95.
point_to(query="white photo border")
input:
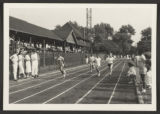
column 78, row 107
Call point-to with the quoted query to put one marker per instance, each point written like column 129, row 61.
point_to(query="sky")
column 139, row 17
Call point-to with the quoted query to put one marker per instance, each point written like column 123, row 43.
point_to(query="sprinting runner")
column 91, row 62
column 110, row 60
column 97, row 64
column 61, row 65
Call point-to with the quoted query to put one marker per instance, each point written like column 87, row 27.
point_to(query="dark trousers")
column 143, row 76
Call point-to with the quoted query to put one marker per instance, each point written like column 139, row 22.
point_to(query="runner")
column 97, row 64
column 109, row 60
column 61, row 65
column 91, row 62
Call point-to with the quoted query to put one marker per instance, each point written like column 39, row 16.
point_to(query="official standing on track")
column 14, row 60
column 97, row 64
column 61, row 65
column 91, row 62
column 34, row 60
column 110, row 60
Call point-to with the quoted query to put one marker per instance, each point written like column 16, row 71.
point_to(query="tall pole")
column 89, row 27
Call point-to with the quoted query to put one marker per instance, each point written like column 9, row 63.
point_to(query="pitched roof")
column 66, row 29
column 25, row 27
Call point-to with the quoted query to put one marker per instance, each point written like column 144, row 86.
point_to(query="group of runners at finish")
column 94, row 62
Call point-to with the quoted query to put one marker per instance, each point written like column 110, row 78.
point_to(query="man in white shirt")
column 61, row 65
column 110, row 60
column 140, row 61
column 98, row 64
column 34, row 60
column 14, row 59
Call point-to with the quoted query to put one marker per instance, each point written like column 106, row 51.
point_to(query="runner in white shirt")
column 98, row 64
column 91, row 62
column 61, row 65
column 110, row 60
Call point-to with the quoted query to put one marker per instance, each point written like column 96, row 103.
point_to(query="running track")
column 79, row 87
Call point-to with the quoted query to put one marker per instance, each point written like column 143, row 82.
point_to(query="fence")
column 71, row 59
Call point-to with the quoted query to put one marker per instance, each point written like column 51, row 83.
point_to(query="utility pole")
column 89, row 27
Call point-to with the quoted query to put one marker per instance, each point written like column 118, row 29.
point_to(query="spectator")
column 21, row 65
column 140, row 62
column 28, row 64
column 14, row 60
column 131, row 72
column 34, row 60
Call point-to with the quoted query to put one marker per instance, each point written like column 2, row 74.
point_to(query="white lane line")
column 47, row 89
column 71, row 88
column 115, row 86
column 54, row 73
column 41, row 83
column 80, row 99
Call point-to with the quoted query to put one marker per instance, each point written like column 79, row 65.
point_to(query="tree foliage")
column 104, row 30
column 145, row 43
column 123, row 38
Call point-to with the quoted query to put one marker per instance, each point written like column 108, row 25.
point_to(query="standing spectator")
column 61, row 65
column 28, row 64
column 34, row 60
column 14, row 60
column 21, row 65
column 131, row 72
column 140, row 61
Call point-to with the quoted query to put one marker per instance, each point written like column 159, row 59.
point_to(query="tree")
column 128, row 29
column 104, row 30
column 123, row 38
column 145, row 43
column 146, row 34
column 57, row 27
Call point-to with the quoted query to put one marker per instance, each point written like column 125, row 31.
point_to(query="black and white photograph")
column 79, row 57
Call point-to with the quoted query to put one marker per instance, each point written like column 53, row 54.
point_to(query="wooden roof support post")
column 30, row 41
column 64, row 45
column 44, row 49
